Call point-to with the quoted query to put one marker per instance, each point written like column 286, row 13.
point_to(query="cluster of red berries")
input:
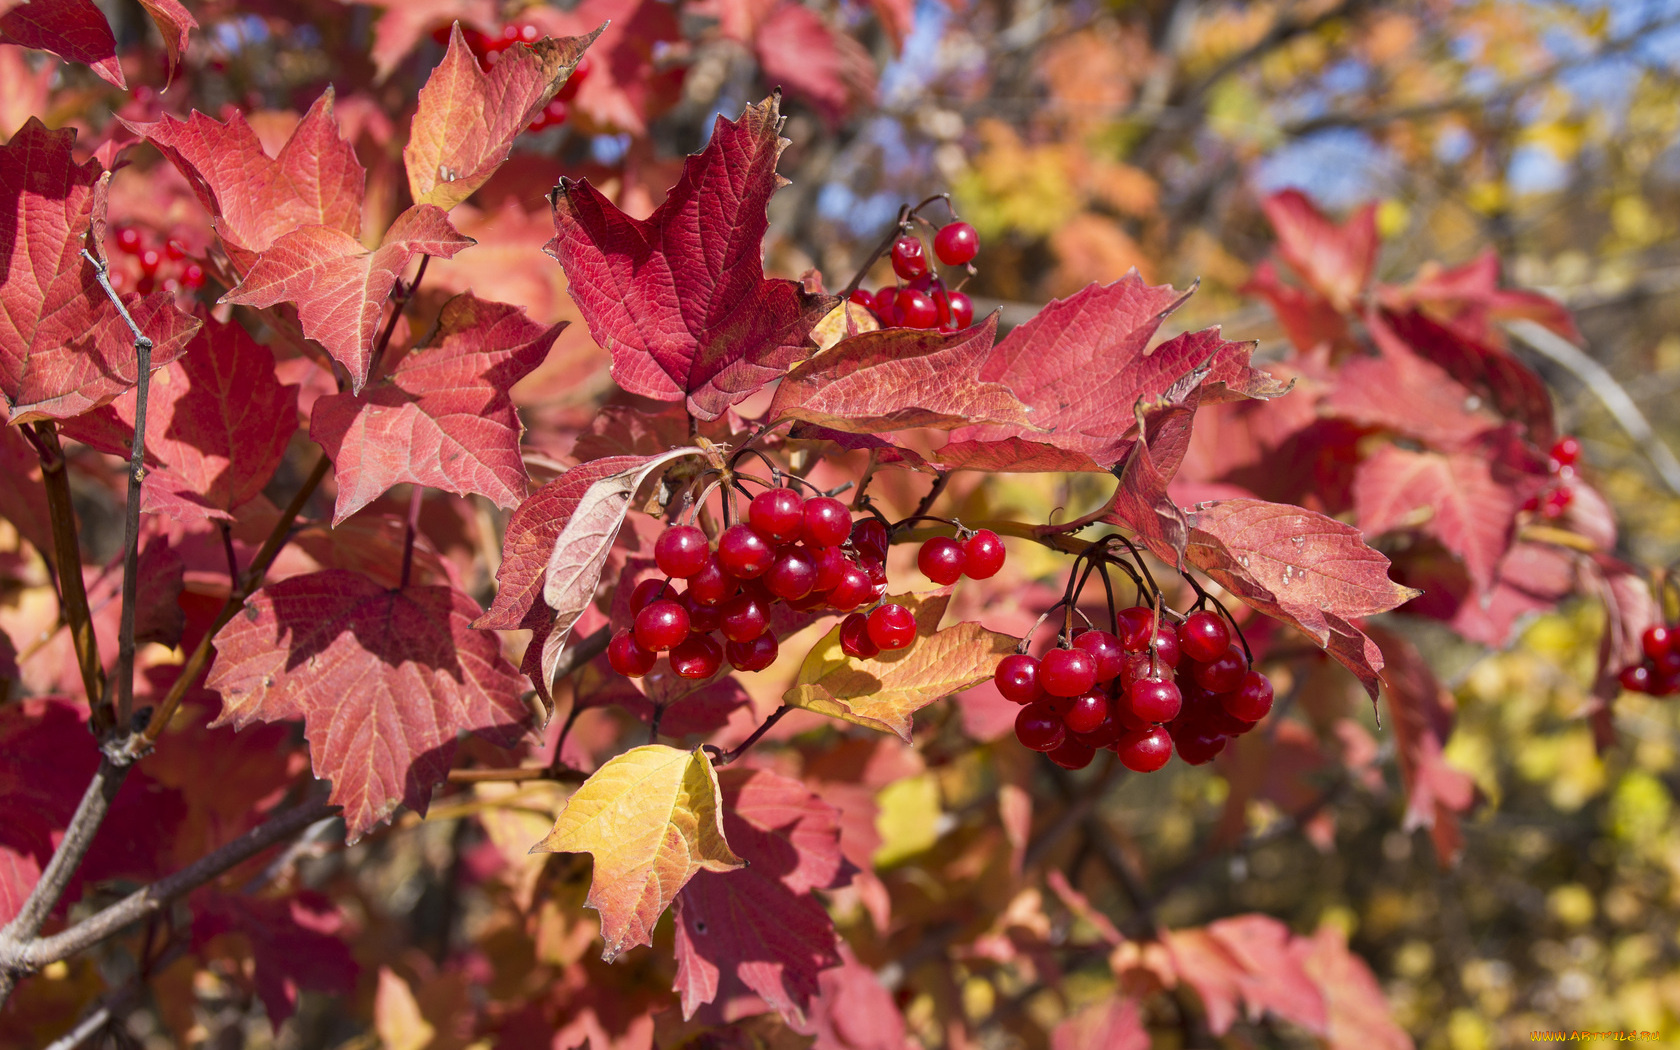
column 921, row 299
column 1659, row 673
column 1554, row 499
column 1144, row 692
column 807, row 553
column 488, row 48
column 154, row 265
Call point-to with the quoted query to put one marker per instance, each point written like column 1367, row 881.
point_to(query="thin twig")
column 67, row 564
column 232, row 555
column 723, row 758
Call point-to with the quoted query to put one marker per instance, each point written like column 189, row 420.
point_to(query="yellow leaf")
column 907, row 819
column 884, row 691
column 651, row 818
column 396, row 1015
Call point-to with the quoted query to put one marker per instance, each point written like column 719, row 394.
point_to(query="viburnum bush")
column 770, row 548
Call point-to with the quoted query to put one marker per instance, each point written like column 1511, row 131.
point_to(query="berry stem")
column 721, row 757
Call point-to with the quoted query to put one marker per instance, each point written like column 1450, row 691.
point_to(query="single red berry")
column 1566, row 451
column 832, row 564
column 983, row 555
column 1665, row 685
column 1106, row 733
column 863, row 298
column 628, row 658
column 697, row 656
column 711, row 585
column 1556, row 502
column 649, row 591
column 959, row 311
column 1223, row 674
column 1203, row 636
column 1224, row 722
column 1039, row 727
column 1072, row 753
column 661, row 625
column 744, row 618
column 1658, row 640
column 854, row 637
column 892, row 626
column 1198, row 746
column 886, row 305
column 916, row 309
column 681, row 551
column 702, row 619
column 1105, row 649
column 1067, row 672
column 1251, row 700
column 192, row 276
column 129, row 241
column 755, row 655
column 1668, row 663
column 909, row 260
column 1086, row 711
column 1135, row 626
column 777, row 515
column 793, row 574
column 853, row 589
column 869, row 538
column 824, row 522
column 941, row 560
column 174, row 250
column 956, row 243
column 569, row 89
column 743, row 553
column 146, row 285
column 1636, row 679
column 150, row 260
column 1166, row 645
column 877, row 574
column 1145, row 750
column 1017, row 678
column 1154, row 701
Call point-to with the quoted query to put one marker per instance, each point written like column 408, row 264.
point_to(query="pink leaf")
column 1109, row 1024
column 174, row 22
column 72, row 29
column 812, row 60
column 1335, row 259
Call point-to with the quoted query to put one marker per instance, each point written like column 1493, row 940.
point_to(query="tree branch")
column 19, row 956
column 67, row 564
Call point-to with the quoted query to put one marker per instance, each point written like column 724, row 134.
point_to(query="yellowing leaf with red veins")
column 467, row 118
column 884, row 691
column 899, row 378
column 651, row 818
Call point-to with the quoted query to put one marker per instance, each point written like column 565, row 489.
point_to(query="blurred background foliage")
column 1083, row 139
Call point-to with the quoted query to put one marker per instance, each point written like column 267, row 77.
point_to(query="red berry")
column 744, row 618
column 649, row 591
column 1668, row 663
column 854, row 637
column 869, row 537
column 1106, row 733
column 983, row 555
column 146, row 285
column 661, row 625
column 793, row 574
column 711, row 585
column 698, row 656
column 702, row 619
column 1556, row 502
column 755, row 655
column 1039, row 727
column 129, row 241
column 1067, row 672
column 941, row 560
column 1072, row 753
column 877, row 574
column 1105, row 649
column 892, row 626
column 886, row 305
column 824, row 522
column 743, row 553
column 150, row 260
column 1251, row 700
column 174, row 250
column 681, row 551
column 1223, row 674
column 1086, row 711
column 1154, row 701
column 852, row 591
column 916, row 309
column 1166, row 645
column 832, row 564
column 1636, row 679
column 1565, row 451
column 1017, row 678
column 192, row 276
column 959, row 311
column 1658, row 640
column 1203, row 636
column 777, row 515
column 1199, row 746
column 909, row 260
column 1135, row 626
column 1145, row 750
column 956, row 243
column 628, row 658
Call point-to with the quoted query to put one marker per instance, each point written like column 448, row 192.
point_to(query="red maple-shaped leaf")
column 1141, row 502
column 1469, row 299
column 1398, row 390
column 63, row 347
column 759, row 926
column 174, row 24
column 1081, row 365
column 383, row 680
column 294, row 943
column 1480, row 362
column 1436, row 793
column 1300, row 567
column 340, row 287
column 217, row 425
column 467, row 119
column 680, row 298
column 404, row 23
column 897, row 379
column 72, row 29
column 1247, row 961
column 315, row 181
column 1335, row 259
column 442, row 418
column 1109, row 1024
column 1358, row 1012
column 815, row 61
column 853, row 1010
